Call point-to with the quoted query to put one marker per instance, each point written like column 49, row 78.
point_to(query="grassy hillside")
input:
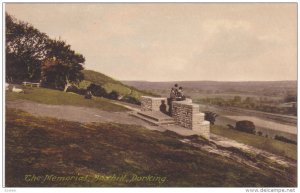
column 97, row 152
column 55, row 97
column 110, row 84
column 270, row 145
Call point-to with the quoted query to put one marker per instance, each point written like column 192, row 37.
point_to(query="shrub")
column 76, row 90
column 81, row 91
column 72, row 88
column 210, row 116
column 97, row 90
column 284, row 139
column 259, row 133
column 113, row 95
column 245, row 126
column 290, row 98
column 131, row 99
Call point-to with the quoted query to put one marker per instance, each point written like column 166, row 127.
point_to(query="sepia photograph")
column 199, row 95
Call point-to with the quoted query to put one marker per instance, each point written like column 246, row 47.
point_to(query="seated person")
column 180, row 96
column 172, row 94
column 172, row 98
column 175, row 89
column 163, row 107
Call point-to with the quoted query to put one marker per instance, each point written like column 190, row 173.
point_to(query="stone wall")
column 187, row 114
column 152, row 103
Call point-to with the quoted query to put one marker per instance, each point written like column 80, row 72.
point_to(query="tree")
column 31, row 55
column 53, row 72
column 25, row 51
column 64, row 66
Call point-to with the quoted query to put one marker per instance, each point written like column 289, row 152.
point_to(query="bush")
column 130, row 99
column 259, row 133
column 210, row 116
column 281, row 138
column 97, row 90
column 245, row 126
column 76, row 90
column 113, row 95
column 72, row 88
column 290, row 98
column 88, row 95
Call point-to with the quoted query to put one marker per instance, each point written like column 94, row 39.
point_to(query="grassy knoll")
column 55, row 97
column 46, row 146
column 110, row 84
column 271, row 145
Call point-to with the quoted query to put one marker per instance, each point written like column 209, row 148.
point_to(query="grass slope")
column 110, row 84
column 270, row 145
column 45, row 146
column 55, row 97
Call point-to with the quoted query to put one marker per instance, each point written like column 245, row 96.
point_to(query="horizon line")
column 210, row 81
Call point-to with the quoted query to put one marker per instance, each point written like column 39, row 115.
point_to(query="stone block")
column 152, row 103
column 187, row 114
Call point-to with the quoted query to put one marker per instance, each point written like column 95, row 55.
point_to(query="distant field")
column 55, row 97
column 45, row 146
column 271, row 145
column 264, row 96
column 251, row 88
column 200, row 94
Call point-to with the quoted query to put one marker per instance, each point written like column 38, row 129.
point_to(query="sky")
column 175, row 41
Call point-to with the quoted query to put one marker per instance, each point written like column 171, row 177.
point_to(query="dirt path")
column 73, row 113
column 86, row 114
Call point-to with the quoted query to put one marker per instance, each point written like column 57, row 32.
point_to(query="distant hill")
column 110, row 84
column 211, row 84
column 257, row 87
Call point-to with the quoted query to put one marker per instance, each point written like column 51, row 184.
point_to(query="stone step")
column 151, row 121
column 156, row 116
column 166, row 122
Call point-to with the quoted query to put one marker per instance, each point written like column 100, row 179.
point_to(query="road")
column 73, row 113
column 268, row 126
column 279, row 118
